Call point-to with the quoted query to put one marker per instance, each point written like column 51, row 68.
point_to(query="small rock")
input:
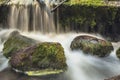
column 92, row 45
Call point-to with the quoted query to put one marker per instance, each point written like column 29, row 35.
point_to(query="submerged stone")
column 118, row 53
column 42, row 56
column 43, row 72
column 16, row 42
column 92, row 45
column 12, row 75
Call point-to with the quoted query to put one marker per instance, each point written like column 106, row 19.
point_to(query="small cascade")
column 31, row 16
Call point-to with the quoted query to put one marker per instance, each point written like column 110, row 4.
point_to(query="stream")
column 80, row 66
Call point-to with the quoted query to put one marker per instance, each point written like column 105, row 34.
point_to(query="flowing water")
column 34, row 16
column 80, row 66
column 31, row 15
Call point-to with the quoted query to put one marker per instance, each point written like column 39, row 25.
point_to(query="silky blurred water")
column 80, row 66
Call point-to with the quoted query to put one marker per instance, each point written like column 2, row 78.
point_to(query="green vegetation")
column 49, row 55
column 98, row 19
column 92, row 45
column 42, row 56
column 2, row 1
column 28, row 55
column 86, row 2
column 43, row 72
column 15, row 43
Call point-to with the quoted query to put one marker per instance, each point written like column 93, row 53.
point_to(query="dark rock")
column 92, row 45
column 16, row 42
column 118, row 53
column 43, row 56
column 114, row 78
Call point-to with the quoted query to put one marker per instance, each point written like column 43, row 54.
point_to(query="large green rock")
column 118, row 53
column 46, row 56
column 16, row 42
column 92, row 45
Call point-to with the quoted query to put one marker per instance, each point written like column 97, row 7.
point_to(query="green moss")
column 104, row 20
column 15, row 43
column 2, row 1
column 49, row 55
column 86, row 2
column 43, row 72
column 98, row 47
column 42, row 56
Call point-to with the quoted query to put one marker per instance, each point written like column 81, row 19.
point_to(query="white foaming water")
column 31, row 15
column 3, row 36
column 80, row 66
column 21, row 2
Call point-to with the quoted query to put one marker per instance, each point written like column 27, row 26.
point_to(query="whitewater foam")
column 80, row 66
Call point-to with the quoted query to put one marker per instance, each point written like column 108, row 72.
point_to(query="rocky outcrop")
column 92, row 45
column 16, row 42
column 43, row 56
column 118, row 53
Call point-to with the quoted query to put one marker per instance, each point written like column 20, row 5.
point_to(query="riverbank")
column 91, row 19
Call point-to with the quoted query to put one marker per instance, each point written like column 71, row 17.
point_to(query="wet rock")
column 43, row 56
column 114, row 78
column 118, row 53
column 16, row 42
column 92, row 45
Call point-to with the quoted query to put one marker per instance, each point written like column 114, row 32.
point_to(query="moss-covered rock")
column 16, row 42
column 92, row 45
column 43, row 56
column 118, row 53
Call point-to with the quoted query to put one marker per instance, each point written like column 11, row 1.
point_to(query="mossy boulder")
column 118, row 53
column 43, row 56
column 92, row 45
column 16, row 42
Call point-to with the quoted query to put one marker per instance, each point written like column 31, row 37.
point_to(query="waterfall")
column 31, row 15
column 36, row 16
